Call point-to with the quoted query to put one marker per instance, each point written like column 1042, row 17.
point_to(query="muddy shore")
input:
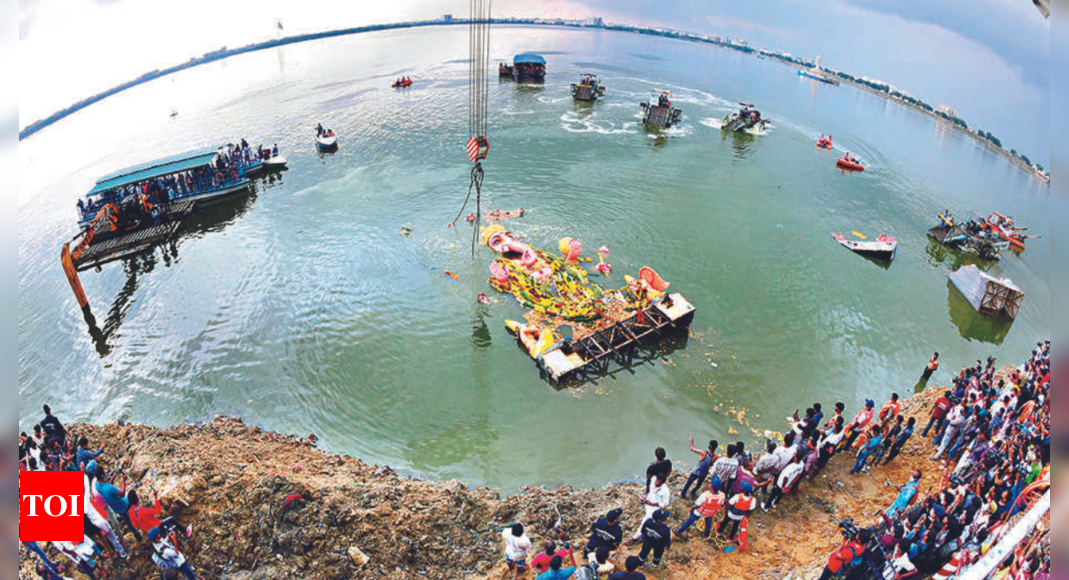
column 357, row 520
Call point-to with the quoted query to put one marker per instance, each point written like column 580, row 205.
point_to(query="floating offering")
column 559, row 293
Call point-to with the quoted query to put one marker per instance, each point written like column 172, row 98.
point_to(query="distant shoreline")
column 737, row 45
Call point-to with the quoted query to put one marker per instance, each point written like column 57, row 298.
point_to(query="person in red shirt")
column 146, row 519
column 541, row 562
column 939, row 413
column 848, row 552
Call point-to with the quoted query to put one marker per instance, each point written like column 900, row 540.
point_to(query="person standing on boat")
column 274, row 151
column 933, row 365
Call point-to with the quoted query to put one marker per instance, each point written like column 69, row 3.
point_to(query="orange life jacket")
column 712, row 504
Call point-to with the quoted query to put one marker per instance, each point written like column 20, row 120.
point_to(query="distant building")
column 599, row 21
column 447, row 18
column 946, row 110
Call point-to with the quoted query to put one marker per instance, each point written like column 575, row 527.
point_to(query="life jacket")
column 741, row 505
column 712, row 504
column 863, row 418
column 894, row 407
column 839, row 558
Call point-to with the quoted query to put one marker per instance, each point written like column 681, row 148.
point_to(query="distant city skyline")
column 953, row 54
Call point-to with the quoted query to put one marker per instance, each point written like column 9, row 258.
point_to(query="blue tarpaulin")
column 528, row 58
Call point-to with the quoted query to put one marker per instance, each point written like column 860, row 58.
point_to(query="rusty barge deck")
column 592, row 354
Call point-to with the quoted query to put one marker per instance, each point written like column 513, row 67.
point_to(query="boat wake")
column 717, row 123
column 674, row 131
column 684, row 95
column 573, row 122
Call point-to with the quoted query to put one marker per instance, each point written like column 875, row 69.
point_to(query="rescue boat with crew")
column 848, row 163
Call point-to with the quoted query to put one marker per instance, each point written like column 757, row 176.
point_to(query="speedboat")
column 275, row 163
column 327, row 141
column 747, row 118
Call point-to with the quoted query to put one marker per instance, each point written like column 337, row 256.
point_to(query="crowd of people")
column 112, row 508
column 990, row 437
column 991, row 441
column 153, row 194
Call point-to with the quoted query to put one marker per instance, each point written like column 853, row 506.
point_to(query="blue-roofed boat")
column 197, row 176
column 529, row 66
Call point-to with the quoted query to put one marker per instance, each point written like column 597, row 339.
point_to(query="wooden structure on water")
column 592, row 353
column 98, row 252
column 987, row 294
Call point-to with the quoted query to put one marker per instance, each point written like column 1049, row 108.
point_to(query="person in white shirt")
column 657, row 499
column 517, row 546
column 904, row 568
column 786, row 479
column 785, row 454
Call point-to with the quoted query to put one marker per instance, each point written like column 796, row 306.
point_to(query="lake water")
column 301, row 306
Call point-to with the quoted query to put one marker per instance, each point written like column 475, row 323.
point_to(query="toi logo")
column 50, row 506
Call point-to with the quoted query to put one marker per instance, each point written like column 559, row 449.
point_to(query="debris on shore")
column 265, row 505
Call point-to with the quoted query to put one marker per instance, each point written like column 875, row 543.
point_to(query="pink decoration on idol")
column 602, row 267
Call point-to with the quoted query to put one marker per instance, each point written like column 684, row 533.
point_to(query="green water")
column 302, row 308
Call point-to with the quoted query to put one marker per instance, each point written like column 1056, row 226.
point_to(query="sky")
column 982, row 57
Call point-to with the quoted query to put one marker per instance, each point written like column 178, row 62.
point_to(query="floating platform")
column 987, row 294
column 592, row 354
column 123, row 245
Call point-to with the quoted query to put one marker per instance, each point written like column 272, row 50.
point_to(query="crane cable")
column 478, row 103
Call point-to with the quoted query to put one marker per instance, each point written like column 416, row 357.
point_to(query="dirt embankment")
column 356, row 520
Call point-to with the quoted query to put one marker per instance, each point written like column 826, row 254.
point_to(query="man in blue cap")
column 605, row 533
column 739, row 508
column 708, row 505
column 656, row 537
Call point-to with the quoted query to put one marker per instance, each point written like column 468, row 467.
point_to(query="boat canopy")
column 152, row 169
column 528, row 58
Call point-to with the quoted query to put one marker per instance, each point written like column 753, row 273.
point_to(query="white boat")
column 275, row 163
column 882, row 248
column 327, row 142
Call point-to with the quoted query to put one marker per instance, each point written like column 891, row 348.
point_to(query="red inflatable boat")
column 848, row 163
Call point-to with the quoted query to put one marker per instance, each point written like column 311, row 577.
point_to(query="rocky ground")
column 355, row 520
